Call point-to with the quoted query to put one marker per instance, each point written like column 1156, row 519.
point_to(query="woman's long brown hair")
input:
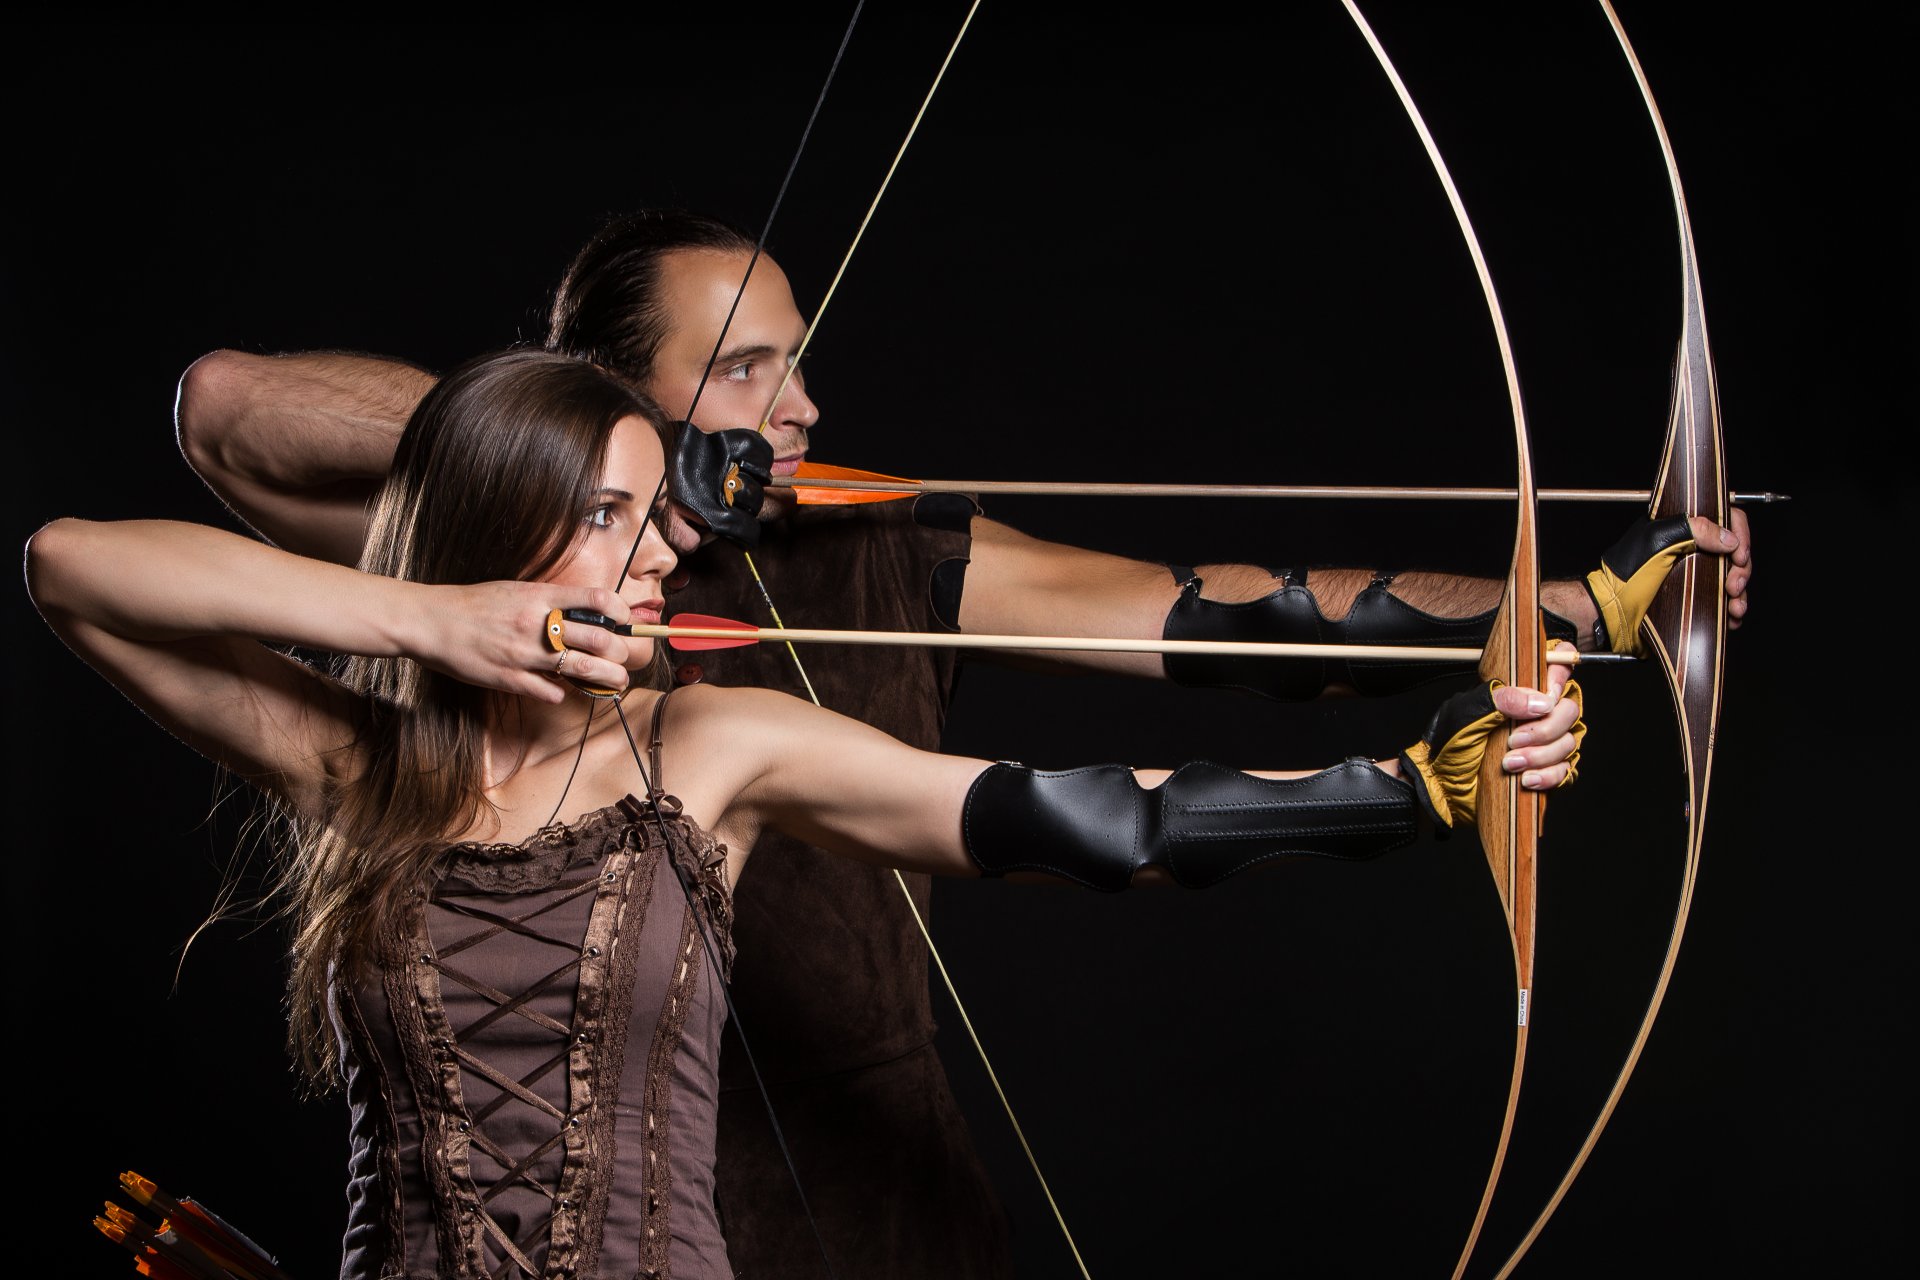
column 490, row 481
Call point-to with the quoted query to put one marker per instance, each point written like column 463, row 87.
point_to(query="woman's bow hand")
column 1542, row 745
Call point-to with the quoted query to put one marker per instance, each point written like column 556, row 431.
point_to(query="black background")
column 1192, row 248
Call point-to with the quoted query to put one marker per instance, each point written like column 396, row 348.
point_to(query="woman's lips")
column 647, row 612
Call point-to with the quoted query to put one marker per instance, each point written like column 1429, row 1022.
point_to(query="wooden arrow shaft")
column 1081, row 644
column 1050, row 488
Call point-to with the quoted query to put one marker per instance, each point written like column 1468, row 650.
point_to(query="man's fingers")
column 1743, row 554
column 1710, row 537
column 684, row 531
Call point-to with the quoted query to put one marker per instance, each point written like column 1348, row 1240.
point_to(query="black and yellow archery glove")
column 1444, row 766
column 1630, row 575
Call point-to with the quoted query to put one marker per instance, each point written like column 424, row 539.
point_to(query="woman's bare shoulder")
column 700, row 702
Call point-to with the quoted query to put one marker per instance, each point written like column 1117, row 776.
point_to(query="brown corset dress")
column 533, row 1077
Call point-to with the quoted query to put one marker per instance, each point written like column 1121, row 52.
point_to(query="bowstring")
column 773, row 611
column 702, row 924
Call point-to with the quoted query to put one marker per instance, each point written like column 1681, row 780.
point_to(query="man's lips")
column 787, row 466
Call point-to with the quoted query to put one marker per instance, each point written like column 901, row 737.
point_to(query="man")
column 831, row 984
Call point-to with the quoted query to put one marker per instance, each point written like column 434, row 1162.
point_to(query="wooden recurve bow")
column 1686, row 628
column 1508, row 816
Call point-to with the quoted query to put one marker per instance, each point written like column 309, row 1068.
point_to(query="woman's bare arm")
column 745, row 759
column 179, row 617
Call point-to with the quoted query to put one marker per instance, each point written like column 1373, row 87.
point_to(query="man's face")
column 698, row 288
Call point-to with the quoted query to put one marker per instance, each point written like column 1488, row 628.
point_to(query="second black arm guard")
column 1291, row 615
column 1098, row 826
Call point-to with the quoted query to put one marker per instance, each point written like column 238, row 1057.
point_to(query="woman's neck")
column 529, row 753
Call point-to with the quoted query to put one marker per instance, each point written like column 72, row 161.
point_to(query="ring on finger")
column 560, row 663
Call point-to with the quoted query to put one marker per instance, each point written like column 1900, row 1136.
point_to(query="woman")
column 526, row 1014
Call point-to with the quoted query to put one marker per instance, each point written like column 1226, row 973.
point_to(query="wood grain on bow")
column 1686, row 628
column 1508, row 816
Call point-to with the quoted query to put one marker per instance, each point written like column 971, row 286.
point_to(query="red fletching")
column 709, row 623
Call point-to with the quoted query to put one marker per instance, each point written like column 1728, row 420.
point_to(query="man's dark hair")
column 607, row 308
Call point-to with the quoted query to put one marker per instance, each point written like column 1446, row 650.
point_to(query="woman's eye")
column 601, row 517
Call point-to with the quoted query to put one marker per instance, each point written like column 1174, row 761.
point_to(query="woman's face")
column 612, row 515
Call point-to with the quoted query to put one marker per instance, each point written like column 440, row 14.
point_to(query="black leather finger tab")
column 705, row 464
column 1288, row 615
column 1086, row 825
column 1218, row 822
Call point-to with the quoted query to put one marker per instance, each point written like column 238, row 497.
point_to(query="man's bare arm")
column 297, row 445
column 1021, row 585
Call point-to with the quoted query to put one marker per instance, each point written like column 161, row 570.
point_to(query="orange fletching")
column 710, row 623
column 809, row 496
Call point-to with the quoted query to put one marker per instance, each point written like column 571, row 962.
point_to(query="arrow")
column 822, row 484
column 696, row 631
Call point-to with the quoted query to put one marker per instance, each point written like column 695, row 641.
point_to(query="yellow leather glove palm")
column 1630, row 575
column 1444, row 766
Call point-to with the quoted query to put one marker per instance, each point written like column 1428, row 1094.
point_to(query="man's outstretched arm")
column 297, row 445
column 1022, row 585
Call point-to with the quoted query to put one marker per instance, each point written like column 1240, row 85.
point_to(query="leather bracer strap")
column 1291, row 615
column 1097, row 826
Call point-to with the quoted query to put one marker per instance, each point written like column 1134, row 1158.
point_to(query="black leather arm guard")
column 1097, row 826
column 719, row 477
column 1291, row 615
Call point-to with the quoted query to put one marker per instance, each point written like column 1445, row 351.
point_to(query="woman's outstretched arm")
column 754, row 758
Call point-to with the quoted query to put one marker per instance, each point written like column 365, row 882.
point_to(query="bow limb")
column 1686, row 628
column 1508, row 817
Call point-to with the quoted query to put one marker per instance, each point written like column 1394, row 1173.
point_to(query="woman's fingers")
column 1545, row 779
column 584, row 637
column 1558, row 673
column 589, row 655
column 595, row 672
column 1542, row 740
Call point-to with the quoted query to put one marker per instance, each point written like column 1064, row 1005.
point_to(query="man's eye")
column 737, row 373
